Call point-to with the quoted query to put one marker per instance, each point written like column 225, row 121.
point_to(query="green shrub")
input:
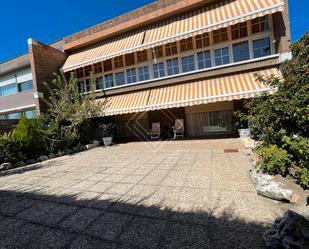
column 303, row 177
column 27, row 133
column 86, row 132
column 274, row 160
column 10, row 149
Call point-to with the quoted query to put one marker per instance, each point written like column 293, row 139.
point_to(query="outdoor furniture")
column 155, row 131
column 178, row 128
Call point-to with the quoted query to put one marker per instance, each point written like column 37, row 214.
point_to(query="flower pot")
column 107, row 141
column 244, row 132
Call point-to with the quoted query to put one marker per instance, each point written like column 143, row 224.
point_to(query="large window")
column 108, row 65
column 99, row 83
column 120, row 79
column 259, row 24
column 80, row 86
column 31, row 114
column 171, row 48
column 98, row 67
column 202, row 40
column 172, row 66
column 15, row 115
column 204, row 59
column 131, row 75
column 241, row 51
column 88, row 70
column 25, row 86
column 261, row 47
column 187, row 63
column 158, row 70
column 141, row 55
column 79, row 72
column 157, row 52
column 220, row 35
column 239, row 30
column 88, row 85
column 118, row 61
column 222, row 56
column 8, row 90
column 109, row 80
column 143, row 73
column 186, row 44
column 130, row 59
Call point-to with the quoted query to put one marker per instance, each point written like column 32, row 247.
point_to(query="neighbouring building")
column 22, row 80
column 176, row 59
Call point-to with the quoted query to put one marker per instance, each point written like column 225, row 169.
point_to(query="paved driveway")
column 180, row 194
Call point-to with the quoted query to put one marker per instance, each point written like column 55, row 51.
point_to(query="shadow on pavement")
column 42, row 219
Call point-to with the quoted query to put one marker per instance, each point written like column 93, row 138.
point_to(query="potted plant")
column 241, row 123
column 107, row 131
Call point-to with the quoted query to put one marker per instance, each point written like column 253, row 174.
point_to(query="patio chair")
column 155, row 131
column 178, row 128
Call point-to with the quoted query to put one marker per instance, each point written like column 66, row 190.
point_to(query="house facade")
column 174, row 59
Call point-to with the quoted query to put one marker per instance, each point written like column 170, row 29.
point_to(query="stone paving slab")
column 181, row 194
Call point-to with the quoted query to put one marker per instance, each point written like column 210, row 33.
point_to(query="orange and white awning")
column 238, row 86
column 126, row 103
column 103, row 51
column 215, row 16
column 212, row 17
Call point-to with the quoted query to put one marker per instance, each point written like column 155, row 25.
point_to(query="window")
column 261, row 47
column 80, row 86
column 157, row 52
column 131, row 75
column 239, row 30
column 79, row 72
column 98, row 67
column 259, row 24
column 107, row 65
column 25, row 86
column 120, row 79
column 88, row 69
column 171, row 48
column 15, row 115
column 118, row 61
column 130, row 60
column 202, row 40
column 186, row 44
column 143, row 73
column 222, row 56
column 204, row 59
column 241, row 51
column 31, row 114
column 158, row 70
column 88, row 85
column 8, row 90
column 142, row 56
column 109, row 80
column 99, row 83
column 220, row 35
column 172, row 66
column 187, row 63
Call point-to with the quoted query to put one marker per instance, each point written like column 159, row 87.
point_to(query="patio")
column 176, row 194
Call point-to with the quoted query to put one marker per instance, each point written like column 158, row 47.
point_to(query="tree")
column 281, row 119
column 68, row 109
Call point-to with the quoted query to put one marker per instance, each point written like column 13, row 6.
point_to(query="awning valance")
column 215, row 16
column 238, row 86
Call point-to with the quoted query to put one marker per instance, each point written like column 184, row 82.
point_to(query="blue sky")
column 48, row 21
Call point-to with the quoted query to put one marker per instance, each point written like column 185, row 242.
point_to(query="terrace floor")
column 176, row 194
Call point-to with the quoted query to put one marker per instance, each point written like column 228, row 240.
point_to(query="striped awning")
column 215, row 16
column 238, row 86
column 103, row 51
column 126, row 103
column 212, row 17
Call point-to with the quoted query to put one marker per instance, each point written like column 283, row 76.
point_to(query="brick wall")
column 282, row 33
column 45, row 60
